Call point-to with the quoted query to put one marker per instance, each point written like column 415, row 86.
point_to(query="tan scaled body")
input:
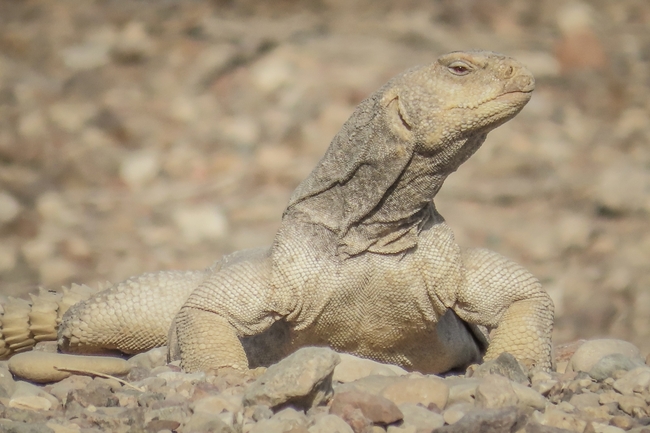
column 363, row 262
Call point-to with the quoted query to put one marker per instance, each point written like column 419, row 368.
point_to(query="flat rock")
column 304, row 378
column 354, row 368
column 487, row 421
column 636, row 380
column 422, row 418
column 377, row 409
column 48, row 367
column 425, row 391
column 330, row 424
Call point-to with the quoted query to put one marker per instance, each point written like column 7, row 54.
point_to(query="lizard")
column 362, row 262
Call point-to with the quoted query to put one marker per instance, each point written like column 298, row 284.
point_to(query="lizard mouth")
column 514, row 96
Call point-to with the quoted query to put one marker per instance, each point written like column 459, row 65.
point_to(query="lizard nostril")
column 509, row 71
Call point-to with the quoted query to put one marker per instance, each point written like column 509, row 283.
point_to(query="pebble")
column 201, row 222
column 9, row 208
column 140, row 168
column 426, row 391
column 375, row 408
column 354, row 368
column 636, row 380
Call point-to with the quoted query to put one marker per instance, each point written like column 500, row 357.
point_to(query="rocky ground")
column 138, row 136
column 602, row 387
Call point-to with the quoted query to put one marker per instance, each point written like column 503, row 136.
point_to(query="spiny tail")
column 24, row 323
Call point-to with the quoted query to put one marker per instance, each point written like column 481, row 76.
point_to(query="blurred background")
column 145, row 135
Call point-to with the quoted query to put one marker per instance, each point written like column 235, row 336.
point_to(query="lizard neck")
column 393, row 225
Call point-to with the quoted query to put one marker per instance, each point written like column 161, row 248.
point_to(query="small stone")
column 584, row 400
column 28, row 396
column 631, row 403
column 71, row 117
column 133, row 44
column 607, row 365
column 604, row 428
column 140, row 168
column 45, row 367
column 456, row 412
column 353, row 368
column 376, row 408
column 560, row 419
column 487, row 421
column 495, row 392
column 206, row 422
column 592, row 351
column 52, row 206
column 304, row 378
column 425, row 391
column 200, row 222
column 150, row 359
column 623, row 422
column 636, row 380
column 8, row 257
column 330, row 424
column 86, row 56
column 32, row 126
column 528, row 396
column 462, row 389
column 505, row 365
column 420, row 417
column 9, row 208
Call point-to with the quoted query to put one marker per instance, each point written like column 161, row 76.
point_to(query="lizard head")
column 459, row 96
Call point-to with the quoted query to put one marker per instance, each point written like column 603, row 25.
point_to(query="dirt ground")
column 145, row 135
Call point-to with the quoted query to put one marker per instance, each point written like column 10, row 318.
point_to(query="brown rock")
column 376, row 408
column 424, row 391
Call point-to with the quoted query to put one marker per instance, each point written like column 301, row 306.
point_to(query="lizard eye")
column 459, row 68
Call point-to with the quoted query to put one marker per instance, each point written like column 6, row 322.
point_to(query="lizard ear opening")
column 398, row 119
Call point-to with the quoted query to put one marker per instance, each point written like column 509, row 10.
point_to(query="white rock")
column 200, row 222
column 496, row 391
column 8, row 257
column 52, row 206
column 605, row 428
column 71, row 117
column 593, row 350
column 420, row 417
column 140, row 168
column 32, row 126
column 133, row 43
column 56, row 270
column 9, row 207
column 424, row 390
column 330, row 424
column 528, row 396
column 352, row 368
column 28, row 396
column 637, row 380
column 86, row 56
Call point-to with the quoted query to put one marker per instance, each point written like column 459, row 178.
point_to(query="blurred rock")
column 86, row 56
column 133, row 43
column 140, row 168
column 9, row 208
column 201, row 222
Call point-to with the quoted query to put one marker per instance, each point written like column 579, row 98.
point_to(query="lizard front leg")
column 501, row 295
column 234, row 303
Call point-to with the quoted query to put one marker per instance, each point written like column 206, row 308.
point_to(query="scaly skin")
column 363, row 262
